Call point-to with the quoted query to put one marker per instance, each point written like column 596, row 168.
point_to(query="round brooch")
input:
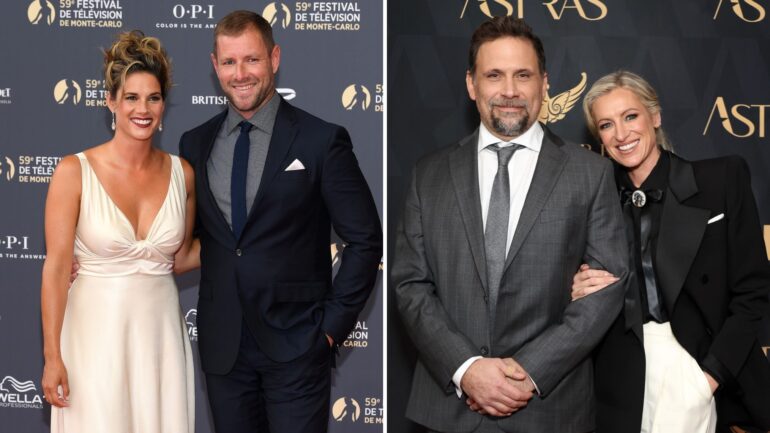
column 638, row 198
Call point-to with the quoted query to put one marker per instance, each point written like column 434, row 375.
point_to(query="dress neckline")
column 135, row 230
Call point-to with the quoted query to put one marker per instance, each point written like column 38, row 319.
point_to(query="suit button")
column 484, row 350
column 238, row 252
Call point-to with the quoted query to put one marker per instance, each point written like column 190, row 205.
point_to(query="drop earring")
column 160, row 127
column 113, row 121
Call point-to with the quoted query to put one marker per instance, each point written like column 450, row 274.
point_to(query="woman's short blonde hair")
column 630, row 81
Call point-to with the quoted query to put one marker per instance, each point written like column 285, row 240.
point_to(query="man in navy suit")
column 272, row 181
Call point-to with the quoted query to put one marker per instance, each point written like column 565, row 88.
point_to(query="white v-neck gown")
column 124, row 341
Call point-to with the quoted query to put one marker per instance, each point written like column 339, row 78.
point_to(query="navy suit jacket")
column 278, row 275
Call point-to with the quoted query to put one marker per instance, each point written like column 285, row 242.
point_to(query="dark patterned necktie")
column 238, row 179
column 496, row 231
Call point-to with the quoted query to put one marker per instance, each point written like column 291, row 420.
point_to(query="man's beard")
column 510, row 126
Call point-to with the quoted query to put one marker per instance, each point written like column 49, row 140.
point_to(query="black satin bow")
column 654, row 195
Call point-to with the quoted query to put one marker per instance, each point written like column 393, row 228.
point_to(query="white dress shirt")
column 521, row 168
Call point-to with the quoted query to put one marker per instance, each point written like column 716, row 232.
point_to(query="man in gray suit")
column 493, row 230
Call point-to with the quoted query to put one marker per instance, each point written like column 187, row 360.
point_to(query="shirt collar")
column 263, row 119
column 532, row 138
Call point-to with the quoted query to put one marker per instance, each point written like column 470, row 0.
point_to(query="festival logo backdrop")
column 52, row 103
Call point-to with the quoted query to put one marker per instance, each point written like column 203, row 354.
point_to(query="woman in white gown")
column 117, row 356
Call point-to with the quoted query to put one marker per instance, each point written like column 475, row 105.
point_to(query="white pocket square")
column 295, row 165
column 716, row 218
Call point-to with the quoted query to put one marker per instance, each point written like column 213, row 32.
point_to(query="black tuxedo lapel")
column 206, row 197
column 681, row 231
column 550, row 163
column 464, row 171
column 284, row 132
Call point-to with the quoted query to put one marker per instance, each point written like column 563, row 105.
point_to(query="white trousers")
column 677, row 396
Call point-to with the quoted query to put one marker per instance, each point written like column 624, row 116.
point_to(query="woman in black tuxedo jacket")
column 683, row 355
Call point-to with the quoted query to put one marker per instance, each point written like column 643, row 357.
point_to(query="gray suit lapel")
column 550, row 164
column 463, row 170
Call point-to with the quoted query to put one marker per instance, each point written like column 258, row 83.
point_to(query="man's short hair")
column 501, row 27
column 237, row 22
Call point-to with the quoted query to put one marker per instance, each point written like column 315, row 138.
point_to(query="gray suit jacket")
column 570, row 216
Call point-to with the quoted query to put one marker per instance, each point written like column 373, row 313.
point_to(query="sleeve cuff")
column 457, row 378
column 716, row 369
column 537, row 390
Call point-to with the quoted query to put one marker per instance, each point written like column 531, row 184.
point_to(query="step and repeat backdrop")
column 708, row 59
column 52, row 103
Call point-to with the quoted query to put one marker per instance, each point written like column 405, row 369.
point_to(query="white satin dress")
column 124, row 341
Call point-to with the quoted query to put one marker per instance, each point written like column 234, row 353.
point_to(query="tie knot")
column 245, row 126
column 504, row 154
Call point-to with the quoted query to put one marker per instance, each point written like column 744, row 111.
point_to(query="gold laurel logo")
column 506, row 5
column 41, row 10
column 356, row 95
column 554, row 109
column 67, row 90
column 273, row 14
column 10, row 171
column 346, row 408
